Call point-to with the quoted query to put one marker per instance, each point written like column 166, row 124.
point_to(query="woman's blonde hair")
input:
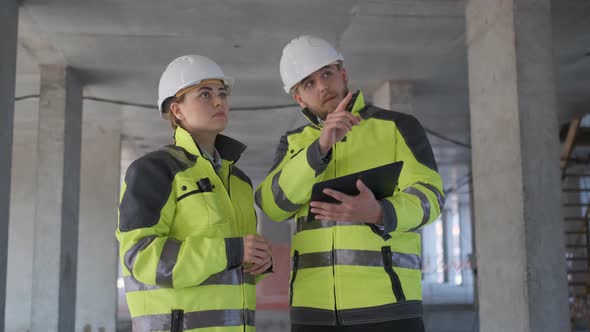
column 174, row 121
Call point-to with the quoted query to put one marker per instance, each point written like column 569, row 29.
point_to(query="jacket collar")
column 228, row 148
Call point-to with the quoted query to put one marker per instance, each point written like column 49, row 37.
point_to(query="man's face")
column 322, row 91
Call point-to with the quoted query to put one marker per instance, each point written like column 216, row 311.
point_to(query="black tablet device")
column 381, row 180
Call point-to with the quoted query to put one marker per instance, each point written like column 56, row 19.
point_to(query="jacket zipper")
column 338, row 322
column 242, row 276
column 295, row 268
column 229, row 180
column 244, row 318
column 396, row 284
column 190, row 193
column 176, row 324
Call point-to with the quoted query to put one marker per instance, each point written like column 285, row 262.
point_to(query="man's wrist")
column 324, row 148
column 378, row 219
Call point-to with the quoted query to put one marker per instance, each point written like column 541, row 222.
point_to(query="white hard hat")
column 304, row 55
column 185, row 71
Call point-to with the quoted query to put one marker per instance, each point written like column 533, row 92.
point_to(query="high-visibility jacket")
column 346, row 273
column 180, row 232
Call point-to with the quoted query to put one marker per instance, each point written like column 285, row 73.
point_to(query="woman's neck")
column 205, row 141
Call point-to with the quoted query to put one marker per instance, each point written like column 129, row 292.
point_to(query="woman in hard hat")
column 187, row 225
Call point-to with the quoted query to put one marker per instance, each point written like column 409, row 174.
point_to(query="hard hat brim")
column 228, row 82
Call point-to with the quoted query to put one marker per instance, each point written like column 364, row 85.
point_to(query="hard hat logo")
column 304, row 55
column 184, row 72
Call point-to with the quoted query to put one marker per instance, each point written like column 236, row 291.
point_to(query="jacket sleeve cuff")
column 270, row 270
column 389, row 217
column 315, row 159
column 234, row 250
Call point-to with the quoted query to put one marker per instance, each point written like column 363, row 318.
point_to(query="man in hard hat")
column 357, row 266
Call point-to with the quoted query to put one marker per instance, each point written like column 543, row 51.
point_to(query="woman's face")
column 204, row 108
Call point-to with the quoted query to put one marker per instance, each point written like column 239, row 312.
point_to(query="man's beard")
column 325, row 111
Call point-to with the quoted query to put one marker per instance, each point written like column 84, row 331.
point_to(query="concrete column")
column 514, row 134
column 466, row 242
column 473, row 257
column 96, row 297
column 446, row 217
column 396, row 96
column 57, row 197
column 8, row 26
column 22, row 216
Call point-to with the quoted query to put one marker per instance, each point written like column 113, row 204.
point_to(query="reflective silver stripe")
column 280, row 198
column 408, row 261
column 196, row 320
column 423, row 201
column 303, row 225
column 315, row 259
column 357, row 258
column 133, row 285
column 230, row 277
column 131, row 254
column 167, row 262
column 439, row 197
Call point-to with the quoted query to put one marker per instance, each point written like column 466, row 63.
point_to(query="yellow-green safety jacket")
column 180, row 232
column 346, row 273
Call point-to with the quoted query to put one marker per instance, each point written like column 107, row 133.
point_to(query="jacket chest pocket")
column 297, row 145
column 197, row 205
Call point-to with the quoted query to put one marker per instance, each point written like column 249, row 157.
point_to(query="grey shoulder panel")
column 296, row 130
column 241, row 175
column 149, row 184
column 283, row 146
column 410, row 129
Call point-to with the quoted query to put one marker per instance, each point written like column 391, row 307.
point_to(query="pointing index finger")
column 344, row 102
